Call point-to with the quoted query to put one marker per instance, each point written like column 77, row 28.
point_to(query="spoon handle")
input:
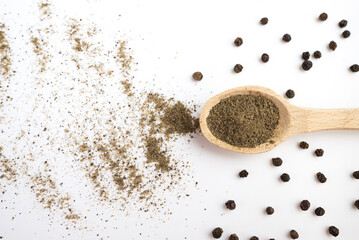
column 322, row 119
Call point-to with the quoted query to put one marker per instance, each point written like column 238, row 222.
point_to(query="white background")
column 173, row 39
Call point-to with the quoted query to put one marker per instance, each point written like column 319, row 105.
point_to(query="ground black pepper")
column 303, row 145
column 217, row 232
column 332, row 45
column 285, row 177
column 304, row 205
column 233, row 237
column 319, row 152
column 286, row 37
column 231, row 205
column 356, row 174
column 238, row 68
column 323, row 16
column 290, row 93
column 343, row 23
column 243, row 120
column 317, row 54
column 269, row 210
column 265, row 57
column 238, row 41
column 254, row 238
column 277, row 161
column 333, row 231
column 197, row 76
column 356, row 204
column 346, row 34
column 305, row 55
column 264, row 21
column 354, row 68
column 319, row 211
column 321, row 177
column 243, row 174
column 293, row 234
column 307, row 65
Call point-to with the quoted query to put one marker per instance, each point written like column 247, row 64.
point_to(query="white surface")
column 171, row 40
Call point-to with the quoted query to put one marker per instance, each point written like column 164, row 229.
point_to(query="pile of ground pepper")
column 244, row 120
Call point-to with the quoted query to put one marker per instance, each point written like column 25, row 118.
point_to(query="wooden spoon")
column 292, row 119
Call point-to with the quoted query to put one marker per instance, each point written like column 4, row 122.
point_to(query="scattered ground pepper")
column 319, row 211
column 356, row 204
column 334, row 231
column 343, row 23
column 243, row 174
column 238, row 68
column 243, row 120
column 321, row 177
column 265, row 57
column 305, row 55
column 264, row 21
column 238, row 41
column 319, row 152
column 197, row 76
column 356, row 174
column 285, row 177
column 317, row 54
column 307, row 65
column 304, row 205
column 233, row 237
column 231, row 205
column 286, row 37
column 293, row 234
column 290, row 93
column 346, row 34
column 277, row 161
column 323, row 16
column 269, row 210
column 333, row 45
column 354, row 68
column 303, row 145
column 217, row 232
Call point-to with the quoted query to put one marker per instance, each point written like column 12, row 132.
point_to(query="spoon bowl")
column 292, row 119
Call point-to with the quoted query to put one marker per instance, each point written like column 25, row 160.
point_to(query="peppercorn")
column 356, row 174
column 317, row 54
column 307, row 65
column 343, row 23
column 238, row 41
column 323, row 16
column 356, row 204
column 264, row 21
column 265, row 57
column 321, row 177
column 217, row 232
column 305, row 55
column 233, row 237
column 285, row 177
column 319, row 211
column 354, row 68
column 333, row 231
column 293, row 234
column 319, row 152
column 231, row 205
column 254, row 238
column 346, row 34
column 277, row 161
column 238, row 68
column 332, row 45
column 286, row 37
column 269, row 210
column 290, row 93
column 243, row 174
column 304, row 205
column 303, row 145
column 197, row 76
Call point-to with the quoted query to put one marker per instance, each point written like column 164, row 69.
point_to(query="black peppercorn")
column 254, row 238
column 346, row 34
column 285, row 177
column 304, row 205
column 233, row 237
column 356, row 174
column 356, row 204
column 197, row 76
column 265, row 57
column 354, row 68
column 307, row 65
column 303, row 145
column 286, row 37
column 305, row 55
column 290, row 93
column 238, row 41
column 277, row 161
column 333, row 231
column 319, row 152
column 264, row 21
column 243, row 174
column 231, row 205
column 323, row 16
column 319, row 211
column 333, row 45
column 217, row 232
column 343, row 23
column 293, row 234
column 321, row 177
column 269, row 210
column 238, row 68
column 317, row 54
